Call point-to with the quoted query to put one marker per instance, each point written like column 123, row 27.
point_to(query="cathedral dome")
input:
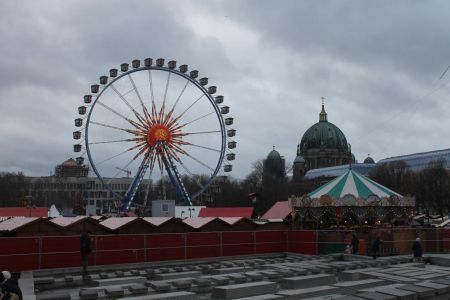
column 323, row 135
column 369, row 160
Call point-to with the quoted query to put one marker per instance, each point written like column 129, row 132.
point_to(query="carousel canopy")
column 353, row 183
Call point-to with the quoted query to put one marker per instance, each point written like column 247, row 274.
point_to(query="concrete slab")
column 114, row 291
column 261, row 297
column 228, row 270
column 202, row 282
column 119, row 280
column 376, row 296
column 439, row 288
column 167, row 296
column 176, row 275
column 309, row 292
column 159, row 286
column 361, row 284
column 182, row 284
column 244, row 290
column 307, row 281
column 54, row 296
column 237, row 278
column 400, row 294
column 43, row 280
column 137, row 289
column 88, row 294
column 421, row 291
column 219, row 280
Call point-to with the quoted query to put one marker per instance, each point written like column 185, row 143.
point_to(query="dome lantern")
column 323, row 113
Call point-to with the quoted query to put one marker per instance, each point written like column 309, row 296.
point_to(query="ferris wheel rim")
column 210, row 98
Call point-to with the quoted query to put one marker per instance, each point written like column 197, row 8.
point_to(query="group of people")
column 353, row 247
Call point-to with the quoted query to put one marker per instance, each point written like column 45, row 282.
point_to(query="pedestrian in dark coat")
column 85, row 250
column 376, row 247
column 417, row 249
column 9, row 287
column 355, row 244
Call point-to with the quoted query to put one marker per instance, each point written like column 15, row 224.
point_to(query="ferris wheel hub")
column 158, row 133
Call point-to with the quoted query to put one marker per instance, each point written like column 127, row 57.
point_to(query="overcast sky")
column 379, row 64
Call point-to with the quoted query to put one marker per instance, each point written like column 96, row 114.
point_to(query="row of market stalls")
column 351, row 200
column 64, row 226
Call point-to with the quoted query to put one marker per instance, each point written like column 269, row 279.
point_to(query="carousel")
column 351, row 200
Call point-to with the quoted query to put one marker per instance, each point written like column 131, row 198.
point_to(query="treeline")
column 430, row 186
column 12, row 188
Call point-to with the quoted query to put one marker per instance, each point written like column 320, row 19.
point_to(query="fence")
column 30, row 253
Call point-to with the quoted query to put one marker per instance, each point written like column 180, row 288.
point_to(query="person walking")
column 417, row 249
column 9, row 287
column 376, row 247
column 85, row 250
column 355, row 244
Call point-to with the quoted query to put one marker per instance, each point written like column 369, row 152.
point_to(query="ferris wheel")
column 156, row 120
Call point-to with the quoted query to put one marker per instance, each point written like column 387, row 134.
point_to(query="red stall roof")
column 231, row 220
column 197, row 222
column 156, row 221
column 67, row 221
column 280, row 210
column 217, row 212
column 24, row 212
column 15, row 223
column 115, row 223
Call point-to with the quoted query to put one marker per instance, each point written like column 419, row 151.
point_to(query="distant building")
column 163, row 208
column 70, row 168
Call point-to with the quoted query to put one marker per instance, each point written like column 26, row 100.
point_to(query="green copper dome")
column 274, row 154
column 299, row 160
column 324, row 135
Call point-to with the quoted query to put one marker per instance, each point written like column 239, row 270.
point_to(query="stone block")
column 244, row 290
column 376, row 296
column 182, row 284
column 237, row 278
column 88, row 294
column 270, row 274
column 360, row 284
column 421, row 291
column 160, row 286
column 138, row 289
column 307, row 281
column 44, row 280
column 103, row 275
column 119, row 273
column 167, row 276
column 54, row 296
column 181, row 295
column 400, row 294
column 439, row 288
column 220, row 280
column 308, row 292
column 114, row 291
column 68, row 278
column 202, row 282
column 262, row 297
column 228, row 270
column 119, row 280
column 254, row 276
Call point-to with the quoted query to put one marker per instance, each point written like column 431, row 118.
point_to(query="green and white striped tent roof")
column 353, row 183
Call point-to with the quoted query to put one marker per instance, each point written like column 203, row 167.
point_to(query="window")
column 165, row 207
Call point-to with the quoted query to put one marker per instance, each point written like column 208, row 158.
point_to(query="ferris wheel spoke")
column 198, row 132
column 161, row 112
column 115, row 141
column 144, row 109
column 192, row 175
column 189, row 107
column 137, row 125
column 195, row 120
column 150, row 81
column 199, row 161
column 109, row 158
column 110, row 126
column 203, row 147
column 178, row 99
column 138, row 116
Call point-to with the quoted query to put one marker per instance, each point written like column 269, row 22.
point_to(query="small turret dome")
column 299, row 160
column 274, row 154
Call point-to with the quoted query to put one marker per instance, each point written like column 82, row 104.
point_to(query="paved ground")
column 287, row 276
